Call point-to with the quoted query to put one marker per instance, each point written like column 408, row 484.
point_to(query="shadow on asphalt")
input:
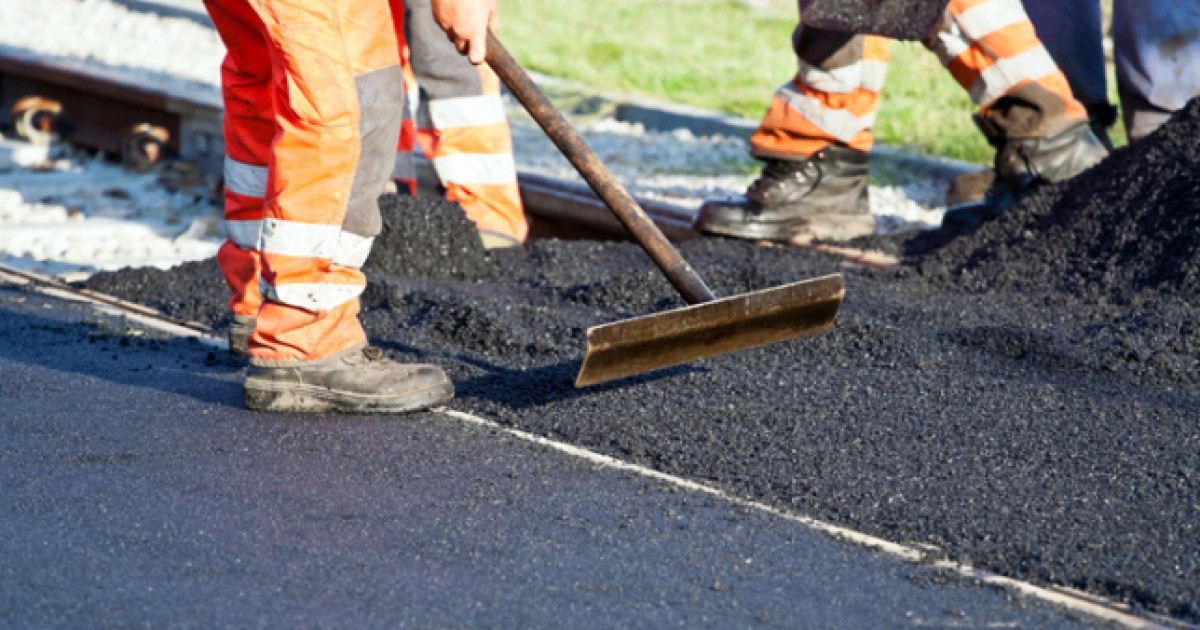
column 102, row 347
column 536, row 387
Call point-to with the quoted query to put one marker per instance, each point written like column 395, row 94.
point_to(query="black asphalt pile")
column 1127, row 230
column 185, row 293
column 428, row 237
column 1016, row 421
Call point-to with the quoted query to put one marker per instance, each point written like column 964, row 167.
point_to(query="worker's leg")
column 249, row 128
column 462, row 128
column 815, row 139
column 831, row 100
column 1157, row 48
column 337, row 87
column 1027, row 111
column 1072, row 33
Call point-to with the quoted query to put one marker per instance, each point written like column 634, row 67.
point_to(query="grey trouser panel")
column 439, row 69
column 825, row 49
column 381, row 107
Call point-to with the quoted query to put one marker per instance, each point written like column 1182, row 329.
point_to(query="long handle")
column 677, row 270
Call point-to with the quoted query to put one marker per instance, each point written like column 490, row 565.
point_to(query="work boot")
column 356, row 380
column 239, row 335
column 823, row 197
column 1024, row 164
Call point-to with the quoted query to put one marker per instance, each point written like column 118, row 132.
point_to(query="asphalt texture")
column 1022, row 398
column 136, row 492
column 912, row 20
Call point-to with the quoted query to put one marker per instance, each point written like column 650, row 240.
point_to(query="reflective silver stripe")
column 466, row 111
column 476, row 168
column 311, row 296
column 352, row 250
column 306, row 240
column 309, row 240
column 951, row 44
column 1006, row 74
column 865, row 74
column 244, row 234
column 838, row 123
column 406, row 166
column 987, row 18
column 245, row 179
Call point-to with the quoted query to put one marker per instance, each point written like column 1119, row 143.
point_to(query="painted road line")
column 1083, row 603
column 1090, row 605
column 109, row 305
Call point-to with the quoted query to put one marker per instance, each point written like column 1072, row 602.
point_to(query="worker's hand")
column 466, row 23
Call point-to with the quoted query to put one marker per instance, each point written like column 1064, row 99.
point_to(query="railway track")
column 47, row 99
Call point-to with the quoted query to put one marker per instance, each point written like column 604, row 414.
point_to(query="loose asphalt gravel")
column 136, row 492
column 1022, row 398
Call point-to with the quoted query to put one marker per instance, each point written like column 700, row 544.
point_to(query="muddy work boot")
column 239, row 335
column 822, row 197
column 1024, row 164
column 357, row 380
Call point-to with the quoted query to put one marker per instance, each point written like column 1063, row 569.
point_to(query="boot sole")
column 275, row 397
column 823, row 226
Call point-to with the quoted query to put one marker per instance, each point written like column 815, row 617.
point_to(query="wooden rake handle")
column 614, row 195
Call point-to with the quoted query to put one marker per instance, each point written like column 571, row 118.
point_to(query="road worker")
column 817, row 133
column 314, row 99
column 461, row 127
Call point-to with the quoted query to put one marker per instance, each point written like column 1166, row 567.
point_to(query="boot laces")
column 777, row 171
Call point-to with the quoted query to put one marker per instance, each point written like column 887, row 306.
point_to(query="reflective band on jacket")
column 838, row 123
column 304, row 240
column 312, row 297
column 476, row 168
column 352, row 250
column 1006, row 74
column 865, row 74
column 954, row 44
column 465, row 111
column 987, row 18
column 244, row 234
column 245, row 179
column 314, row 240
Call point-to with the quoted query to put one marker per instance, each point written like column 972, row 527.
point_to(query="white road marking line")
column 1087, row 605
column 109, row 305
column 903, row 552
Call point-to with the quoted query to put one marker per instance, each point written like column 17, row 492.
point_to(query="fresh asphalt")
column 136, row 491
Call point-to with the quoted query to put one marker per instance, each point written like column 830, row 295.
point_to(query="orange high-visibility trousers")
column 314, row 94
column 460, row 127
column 989, row 47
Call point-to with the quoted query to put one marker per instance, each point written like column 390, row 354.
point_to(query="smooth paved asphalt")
column 136, row 492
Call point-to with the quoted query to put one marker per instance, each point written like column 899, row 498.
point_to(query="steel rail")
column 101, row 109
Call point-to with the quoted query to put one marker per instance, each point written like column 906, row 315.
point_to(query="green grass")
column 714, row 54
column 723, row 56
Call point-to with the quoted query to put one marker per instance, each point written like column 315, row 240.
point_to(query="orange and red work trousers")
column 460, row 126
column 314, row 96
column 989, row 47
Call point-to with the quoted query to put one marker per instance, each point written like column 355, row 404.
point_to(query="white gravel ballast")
column 67, row 218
